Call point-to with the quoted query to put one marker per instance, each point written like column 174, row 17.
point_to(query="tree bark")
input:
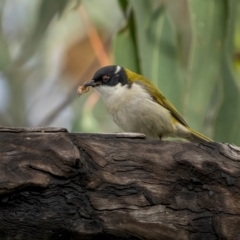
column 60, row 185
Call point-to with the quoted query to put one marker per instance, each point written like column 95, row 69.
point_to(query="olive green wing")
column 155, row 93
column 158, row 97
column 174, row 111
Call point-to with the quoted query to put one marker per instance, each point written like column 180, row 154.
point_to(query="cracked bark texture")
column 60, row 185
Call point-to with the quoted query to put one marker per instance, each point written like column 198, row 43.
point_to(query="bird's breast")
column 133, row 109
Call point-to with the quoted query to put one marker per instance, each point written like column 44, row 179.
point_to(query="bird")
column 137, row 105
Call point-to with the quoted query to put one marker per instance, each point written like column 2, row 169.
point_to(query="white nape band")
column 118, row 68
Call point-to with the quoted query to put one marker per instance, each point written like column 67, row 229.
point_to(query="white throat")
column 121, row 95
column 109, row 92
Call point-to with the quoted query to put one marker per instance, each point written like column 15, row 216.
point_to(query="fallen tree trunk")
column 60, row 185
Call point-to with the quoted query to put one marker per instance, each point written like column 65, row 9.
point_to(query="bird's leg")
column 160, row 137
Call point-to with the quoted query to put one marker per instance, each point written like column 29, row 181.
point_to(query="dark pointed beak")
column 91, row 83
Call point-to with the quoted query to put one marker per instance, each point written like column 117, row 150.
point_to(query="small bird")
column 136, row 105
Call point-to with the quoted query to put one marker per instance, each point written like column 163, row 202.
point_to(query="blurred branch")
column 47, row 11
column 101, row 57
column 71, row 95
column 94, row 38
column 69, row 98
column 90, row 102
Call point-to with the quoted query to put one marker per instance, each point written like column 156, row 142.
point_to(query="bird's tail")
column 198, row 137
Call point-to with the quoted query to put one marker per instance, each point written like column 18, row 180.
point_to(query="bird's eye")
column 105, row 78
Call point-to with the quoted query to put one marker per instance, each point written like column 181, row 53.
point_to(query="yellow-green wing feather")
column 156, row 94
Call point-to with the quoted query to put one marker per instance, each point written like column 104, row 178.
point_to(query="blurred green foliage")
column 186, row 48
column 189, row 48
column 21, row 38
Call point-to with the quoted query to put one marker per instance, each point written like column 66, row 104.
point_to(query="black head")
column 108, row 76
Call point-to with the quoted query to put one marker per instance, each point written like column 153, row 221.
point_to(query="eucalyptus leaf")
column 126, row 39
column 209, row 20
column 227, row 126
column 158, row 48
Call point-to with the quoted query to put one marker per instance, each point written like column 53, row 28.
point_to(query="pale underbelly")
column 145, row 117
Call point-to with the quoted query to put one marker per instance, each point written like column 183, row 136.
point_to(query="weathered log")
column 60, row 185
